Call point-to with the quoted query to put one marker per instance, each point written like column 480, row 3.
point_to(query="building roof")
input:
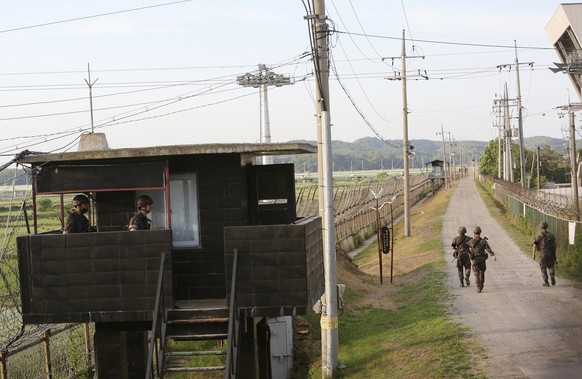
column 254, row 149
column 567, row 15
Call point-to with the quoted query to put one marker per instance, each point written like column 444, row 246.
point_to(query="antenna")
column 90, row 93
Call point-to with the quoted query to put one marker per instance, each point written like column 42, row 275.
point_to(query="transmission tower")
column 262, row 80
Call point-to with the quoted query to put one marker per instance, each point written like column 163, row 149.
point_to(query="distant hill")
column 370, row 153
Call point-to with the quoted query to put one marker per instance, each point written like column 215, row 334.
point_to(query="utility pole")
column 538, row 167
column 451, row 177
column 497, row 110
column 574, row 164
column 405, row 143
column 519, row 116
column 329, row 318
column 571, row 108
column 90, row 85
column 520, row 121
column 447, row 180
column 507, row 135
column 265, row 78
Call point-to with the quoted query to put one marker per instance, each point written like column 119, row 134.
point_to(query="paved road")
column 528, row 331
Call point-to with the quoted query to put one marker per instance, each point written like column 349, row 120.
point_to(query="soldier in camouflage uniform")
column 461, row 253
column 141, row 221
column 545, row 243
column 479, row 247
column 76, row 221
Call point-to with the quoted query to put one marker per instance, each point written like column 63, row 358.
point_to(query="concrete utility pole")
column 520, row 121
column 538, row 167
column 519, row 115
column 406, row 145
column 329, row 318
column 452, row 151
column 405, row 141
column 265, row 78
column 574, row 164
column 447, row 179
column 497, row 110
column 507, row 171
column 90, row 85
column 571, row 108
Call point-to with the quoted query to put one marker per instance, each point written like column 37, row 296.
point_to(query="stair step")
column 199, row 337
column 194, row 353
column 198, row 320
column 195, row 369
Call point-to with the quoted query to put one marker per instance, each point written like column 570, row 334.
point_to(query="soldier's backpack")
column 548, row 242
column 461, row 253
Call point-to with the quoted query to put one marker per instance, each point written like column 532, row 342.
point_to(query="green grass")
column 418, row 339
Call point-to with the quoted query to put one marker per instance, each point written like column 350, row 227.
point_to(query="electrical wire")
column 449, row 42
column 89, row 17
column 370, row 126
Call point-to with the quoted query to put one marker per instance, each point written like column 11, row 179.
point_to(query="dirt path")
column 528, row 331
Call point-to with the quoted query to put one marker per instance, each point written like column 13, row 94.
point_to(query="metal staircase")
column 210, row 324
column 179, row 340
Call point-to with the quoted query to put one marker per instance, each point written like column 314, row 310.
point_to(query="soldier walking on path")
column 545, row 243
column 479, row 248
column 461, row 253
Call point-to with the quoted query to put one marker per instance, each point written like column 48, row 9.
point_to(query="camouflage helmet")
column 477, row 230
column 462, row 230
column 144, row 200
column 80, row 199
column 543, row 225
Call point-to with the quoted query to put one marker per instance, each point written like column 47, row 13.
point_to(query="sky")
column 165, row 72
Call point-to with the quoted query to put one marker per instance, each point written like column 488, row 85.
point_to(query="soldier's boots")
column 546, row 284
column 467, row 281
column 479, row 289
column 553, row 281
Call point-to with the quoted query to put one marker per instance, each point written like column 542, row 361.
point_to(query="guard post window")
column 184, row 208
column 272, row 194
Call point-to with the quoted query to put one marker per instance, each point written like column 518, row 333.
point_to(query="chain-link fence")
column 62, row 351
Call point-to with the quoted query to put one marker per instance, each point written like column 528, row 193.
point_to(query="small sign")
column 385, row 236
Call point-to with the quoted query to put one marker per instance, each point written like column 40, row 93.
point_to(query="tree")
column 45, row 205
column 488, row 161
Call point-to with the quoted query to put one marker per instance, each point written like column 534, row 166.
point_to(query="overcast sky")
column 166, row 74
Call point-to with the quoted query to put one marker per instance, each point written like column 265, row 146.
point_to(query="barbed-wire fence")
column 554, row 204
column 354, row 204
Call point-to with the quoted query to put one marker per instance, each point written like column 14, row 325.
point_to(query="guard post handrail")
column 159, row 317
column 233, row 326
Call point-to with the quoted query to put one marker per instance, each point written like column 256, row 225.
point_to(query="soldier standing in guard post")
column 141, row 221
column 545, row 242
column 479, row 247
column 461, row 253
column 76, row 220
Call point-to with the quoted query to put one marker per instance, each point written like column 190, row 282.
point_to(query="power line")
column 448, row 42
column 370, row 126
column 93, row 16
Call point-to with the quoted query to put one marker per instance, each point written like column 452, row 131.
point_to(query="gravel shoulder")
column 527, row 331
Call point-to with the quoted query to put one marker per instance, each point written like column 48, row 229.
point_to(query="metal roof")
column 255, row 149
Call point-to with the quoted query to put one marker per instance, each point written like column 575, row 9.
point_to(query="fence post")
column 3, row 364
column 87, row 344
column 47, row 353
